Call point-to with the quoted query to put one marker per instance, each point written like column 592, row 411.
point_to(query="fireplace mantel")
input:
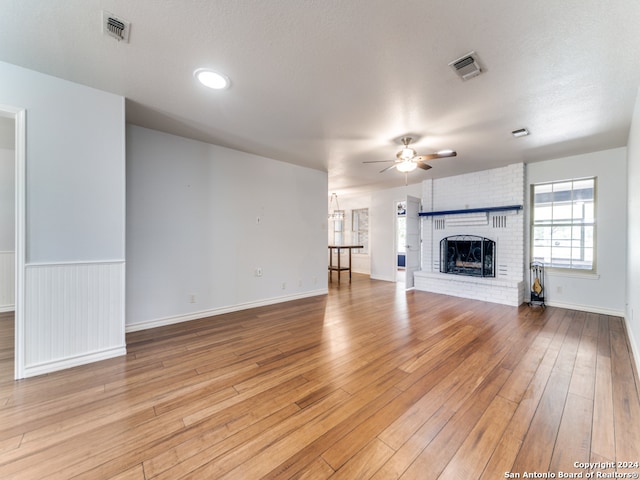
column 471, row 210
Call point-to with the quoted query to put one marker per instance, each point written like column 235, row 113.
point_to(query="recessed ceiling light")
column 212, row 79
column 521, row 132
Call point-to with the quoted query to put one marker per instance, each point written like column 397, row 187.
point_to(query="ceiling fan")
column 408, row 160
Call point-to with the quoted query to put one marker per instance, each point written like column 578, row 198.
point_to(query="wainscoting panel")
column 7, row 281
column 74, row 314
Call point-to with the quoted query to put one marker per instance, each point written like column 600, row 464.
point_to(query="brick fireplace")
column 481, row 214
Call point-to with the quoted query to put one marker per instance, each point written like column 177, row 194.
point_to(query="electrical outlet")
column 258, row 272
column 192, row 298
column 284, row 285
column 559, row 289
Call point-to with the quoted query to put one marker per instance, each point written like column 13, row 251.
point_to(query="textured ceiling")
column 329, row 84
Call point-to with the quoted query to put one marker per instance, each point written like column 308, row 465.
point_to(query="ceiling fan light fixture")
column 406, row 166
column 211, row 79
column 407, row 153
column 407, row 160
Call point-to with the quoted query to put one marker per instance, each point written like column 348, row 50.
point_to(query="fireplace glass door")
column 468, row 255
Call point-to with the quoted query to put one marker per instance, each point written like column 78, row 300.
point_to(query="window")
column 563, row 224
column 360, row 228
column 338, row 230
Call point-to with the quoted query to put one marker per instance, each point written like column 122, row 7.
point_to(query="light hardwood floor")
column 367, row 382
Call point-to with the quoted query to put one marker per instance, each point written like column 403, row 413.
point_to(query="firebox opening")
column 467, row 255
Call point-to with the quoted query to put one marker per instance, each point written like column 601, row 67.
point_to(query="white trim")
column 635, row 350
column 20, row 246
column 161, row 322
column 78, row 262
column 586, row 308
column 55, row 365
column 383, row 279
column 551, row 272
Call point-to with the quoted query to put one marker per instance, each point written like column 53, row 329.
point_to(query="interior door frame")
column 19, row 115
column 413, row 208
column 396, row 243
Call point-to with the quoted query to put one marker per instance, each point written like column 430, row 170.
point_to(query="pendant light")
column 336, row 213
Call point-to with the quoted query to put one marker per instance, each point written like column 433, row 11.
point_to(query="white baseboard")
column 384, row 279
column 635, row 349
column 161, row 322
column 587, row 308
column 55, row 365
column 7, row 308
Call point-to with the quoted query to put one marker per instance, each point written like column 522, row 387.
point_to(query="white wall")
column 605, row 291
column 75, row 150
column 75, row 218
column 201, row 218
column 633, row 224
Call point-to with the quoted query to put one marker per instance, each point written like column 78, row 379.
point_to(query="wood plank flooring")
column 367, row 382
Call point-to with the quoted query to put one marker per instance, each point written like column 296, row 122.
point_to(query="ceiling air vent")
column 467, row 66
column 521, row 132
column 115, row 27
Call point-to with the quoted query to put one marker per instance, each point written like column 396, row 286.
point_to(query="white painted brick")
column 489, row 188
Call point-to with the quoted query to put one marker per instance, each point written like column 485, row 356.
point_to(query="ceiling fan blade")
column 426, row 158
column 378, row 161
column 433, row 156
column 423, row 166
column 388, row 168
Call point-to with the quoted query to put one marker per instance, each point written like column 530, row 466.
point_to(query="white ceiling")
column 328, row 84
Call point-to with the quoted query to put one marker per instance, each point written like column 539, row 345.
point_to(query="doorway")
column 401, row 241
column 12, row 240
column 407, row 241
column 7, row 247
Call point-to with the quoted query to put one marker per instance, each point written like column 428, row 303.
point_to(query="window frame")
column 571, row 223
column 337, row 231
column 357, row 231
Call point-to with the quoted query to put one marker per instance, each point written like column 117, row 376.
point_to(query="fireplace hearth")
column 469, row 255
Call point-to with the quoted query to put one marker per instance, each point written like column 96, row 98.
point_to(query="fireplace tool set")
column 537, row 284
